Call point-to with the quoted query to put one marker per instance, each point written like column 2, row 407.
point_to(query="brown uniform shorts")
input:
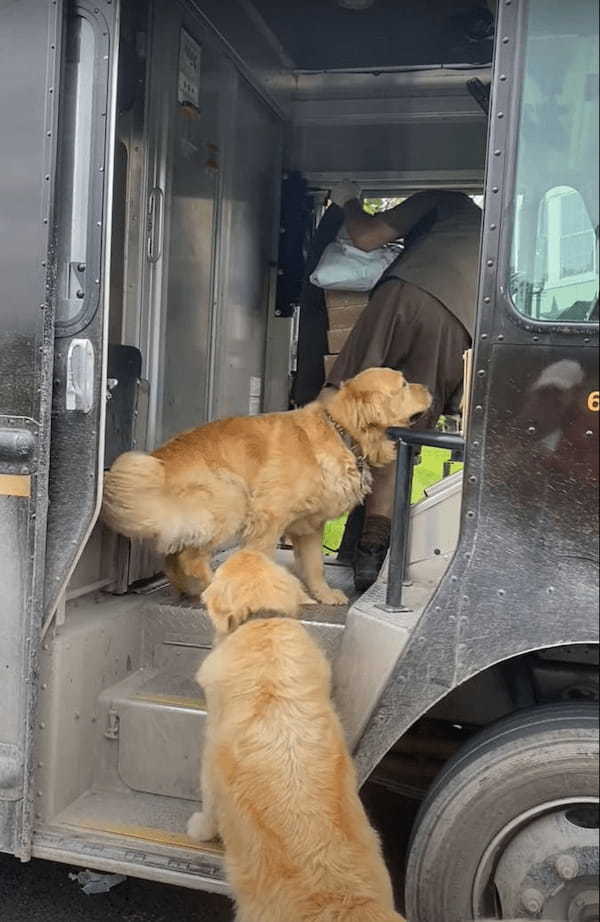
column 405, row 328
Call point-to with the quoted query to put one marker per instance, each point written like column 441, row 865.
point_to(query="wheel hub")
column 546, row 866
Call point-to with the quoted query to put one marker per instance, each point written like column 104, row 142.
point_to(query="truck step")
column 140, row 834
column 174, row 625
column 374, row 640
column 154, row 720
column 154, row 733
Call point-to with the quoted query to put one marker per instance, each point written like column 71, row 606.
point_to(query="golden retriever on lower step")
column 248, row 583
column 278, row 783
column 256, row 478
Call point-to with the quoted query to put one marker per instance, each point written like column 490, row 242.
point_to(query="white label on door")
column 255, row 398
column 188, row 83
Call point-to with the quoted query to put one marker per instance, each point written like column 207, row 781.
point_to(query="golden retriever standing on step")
column 278, row 783
column 255, row 478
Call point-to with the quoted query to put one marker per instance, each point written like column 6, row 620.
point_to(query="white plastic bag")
column 344, row 267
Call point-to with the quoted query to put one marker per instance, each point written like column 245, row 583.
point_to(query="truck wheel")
column 510, row 828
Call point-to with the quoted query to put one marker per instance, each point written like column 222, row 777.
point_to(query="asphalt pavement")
column 43, row 892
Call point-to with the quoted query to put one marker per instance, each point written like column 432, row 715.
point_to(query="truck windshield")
column 554, row 252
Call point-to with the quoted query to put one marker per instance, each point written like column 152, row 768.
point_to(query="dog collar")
column 350, row 442
column 265, row 614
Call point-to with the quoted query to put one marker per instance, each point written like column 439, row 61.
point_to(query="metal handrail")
column 407, row 440
column 432, row 438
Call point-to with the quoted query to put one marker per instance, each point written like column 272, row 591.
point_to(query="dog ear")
column 218, row 610
column 372, row 408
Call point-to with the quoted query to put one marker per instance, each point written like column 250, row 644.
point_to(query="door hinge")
column 112, row 725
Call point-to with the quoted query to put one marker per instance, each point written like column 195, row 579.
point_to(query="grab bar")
column 407, row 440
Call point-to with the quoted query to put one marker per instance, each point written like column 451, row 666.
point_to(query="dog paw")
column 307, row 600
column 327, row 596
column 202, row 827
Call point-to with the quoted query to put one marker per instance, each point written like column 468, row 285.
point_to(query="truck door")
column 54, row 114
column 80, row 257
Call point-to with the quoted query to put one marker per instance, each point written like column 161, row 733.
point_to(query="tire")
column 532, row 758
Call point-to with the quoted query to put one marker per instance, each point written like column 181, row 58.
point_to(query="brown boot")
column 370, row 553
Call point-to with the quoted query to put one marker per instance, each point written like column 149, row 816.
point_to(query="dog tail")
column 137, row 504
column 133, row 501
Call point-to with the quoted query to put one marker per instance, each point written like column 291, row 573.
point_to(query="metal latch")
column 80, row 375
column 155, row 221
column 112, row 725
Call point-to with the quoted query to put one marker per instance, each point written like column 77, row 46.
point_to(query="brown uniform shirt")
column 441, row 231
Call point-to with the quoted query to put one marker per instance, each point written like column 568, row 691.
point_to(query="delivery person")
column 419, row 320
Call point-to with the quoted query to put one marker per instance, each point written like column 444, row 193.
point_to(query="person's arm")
column 371, row 231
column 367, row 231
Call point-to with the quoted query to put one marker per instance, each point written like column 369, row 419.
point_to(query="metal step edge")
column 129, row 691
column 118, row 855
column 451, row 484
column 190, row 627
column 327, row 618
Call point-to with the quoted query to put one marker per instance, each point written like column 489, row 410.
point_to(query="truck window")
column 554, row 249
column 80, row 181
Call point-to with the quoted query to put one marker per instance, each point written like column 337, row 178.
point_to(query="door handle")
column 80, row 375
column 155, row 224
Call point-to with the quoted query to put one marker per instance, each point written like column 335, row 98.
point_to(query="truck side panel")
column 30, row 34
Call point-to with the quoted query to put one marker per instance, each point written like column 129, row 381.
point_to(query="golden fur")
column 247, row 583
column 255, row 478
column 278, row 783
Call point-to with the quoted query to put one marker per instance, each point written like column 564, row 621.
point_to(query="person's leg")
column 381, row 499
column 368, row 346
column 411, row 331
column 381, row 338
column 375, row 536
column 351, row 536
column 417, row 357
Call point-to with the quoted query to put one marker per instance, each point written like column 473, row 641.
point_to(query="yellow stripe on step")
column 15, row 485
column 151, row 834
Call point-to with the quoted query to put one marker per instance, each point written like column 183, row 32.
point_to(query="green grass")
column 429, row 471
